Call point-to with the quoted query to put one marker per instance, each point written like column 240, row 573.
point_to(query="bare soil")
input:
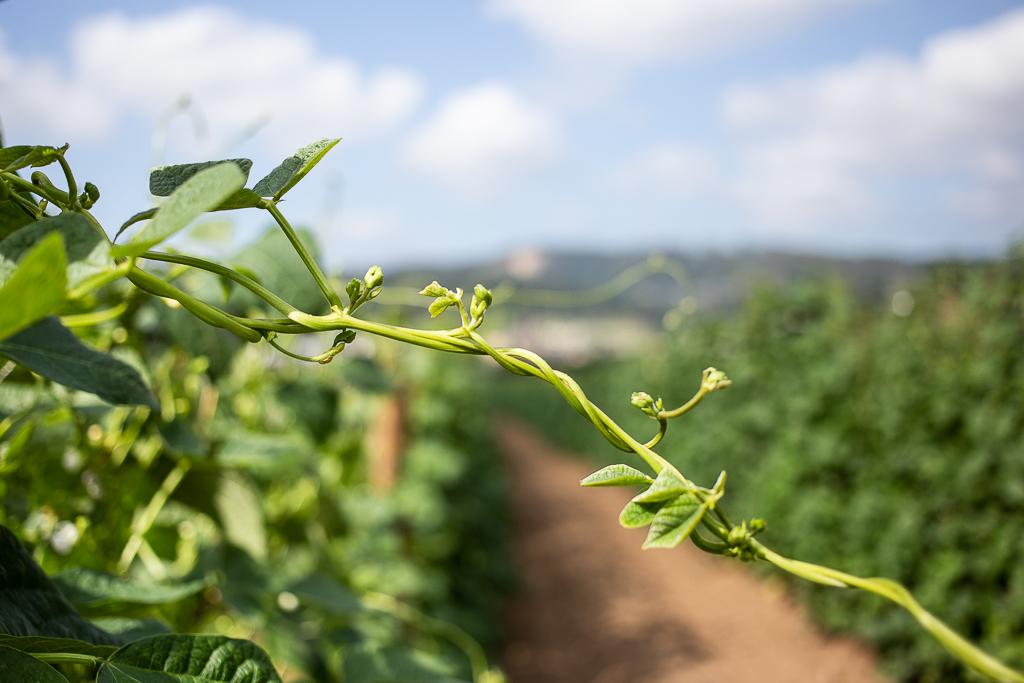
column 594, row 608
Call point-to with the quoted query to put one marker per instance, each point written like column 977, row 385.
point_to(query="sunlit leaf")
column 674, row 522
column 202, row 192
column 35, row 288
column 617, row 475
column 290, row 171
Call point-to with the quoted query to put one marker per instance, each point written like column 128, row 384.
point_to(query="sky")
column 472, row 129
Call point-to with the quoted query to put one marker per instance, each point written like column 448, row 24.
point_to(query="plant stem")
column 955, row 644
column 66, row 658
column 202, row 264
column 307, row 259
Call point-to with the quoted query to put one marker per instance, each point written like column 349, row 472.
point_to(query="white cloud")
column 655, row 30
column 669, row 169
column 823, row 143
column 235, row 69
column 482, row 138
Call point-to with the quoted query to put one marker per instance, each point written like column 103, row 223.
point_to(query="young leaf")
column 617, row 475
column 30, row 605
column 675, row 522
column 35, row 288
column 290, row 171
column 439, row 306
column 636, row 515
column 189, row 659
column 163, row 181
column 50, row 349
column 89, row 588
column 665, row 487
column 202, row 192
column 21, row 156
column 18, row 666
column 86, row 248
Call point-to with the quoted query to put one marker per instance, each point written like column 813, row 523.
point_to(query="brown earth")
column 594, row 608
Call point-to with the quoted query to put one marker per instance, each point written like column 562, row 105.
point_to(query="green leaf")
column 51, row 350
column 42, row 644
column 12, row 217
column 163, row 181
column 439, row 306
column 89, row 588
column 31, row 605
column 21, row 156
column 86, row 247
column 290, row 171
column 617, row 475
column 200, row 193
column 675, row 522
column 188, row 659
column 36, row 287
column 636, row 515
column 23, row 668
column 240, row 199
column 665, row 487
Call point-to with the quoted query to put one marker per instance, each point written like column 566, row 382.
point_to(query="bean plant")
column 56, row 257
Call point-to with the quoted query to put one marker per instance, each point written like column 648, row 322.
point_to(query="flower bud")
column 374, row 277
column 355, row 289
column 757, row 525
column 643, row 401
column 482, row 299
column 713, row 380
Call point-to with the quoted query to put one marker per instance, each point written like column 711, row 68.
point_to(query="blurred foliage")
column 880, row 441
column 270, row 528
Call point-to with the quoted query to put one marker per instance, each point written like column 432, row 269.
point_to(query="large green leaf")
column 163, row 181
column 89, row 588
column 86, row 247
column 617, row 475
column 674, row 522
column 22, row 668
column 35, row 288
column 30, row 605
column 202, row 192
column 188, row 659
column 22, row 156
column 51, row 350
column 290, row 171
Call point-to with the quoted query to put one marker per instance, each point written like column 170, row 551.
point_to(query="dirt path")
column 594, row 608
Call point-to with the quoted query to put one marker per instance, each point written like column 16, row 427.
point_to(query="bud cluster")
column 647, row 404
column 367, row 289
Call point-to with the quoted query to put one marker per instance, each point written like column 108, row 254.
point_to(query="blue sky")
column 475, row 128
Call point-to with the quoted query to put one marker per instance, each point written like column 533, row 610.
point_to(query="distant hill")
column 717, row 282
